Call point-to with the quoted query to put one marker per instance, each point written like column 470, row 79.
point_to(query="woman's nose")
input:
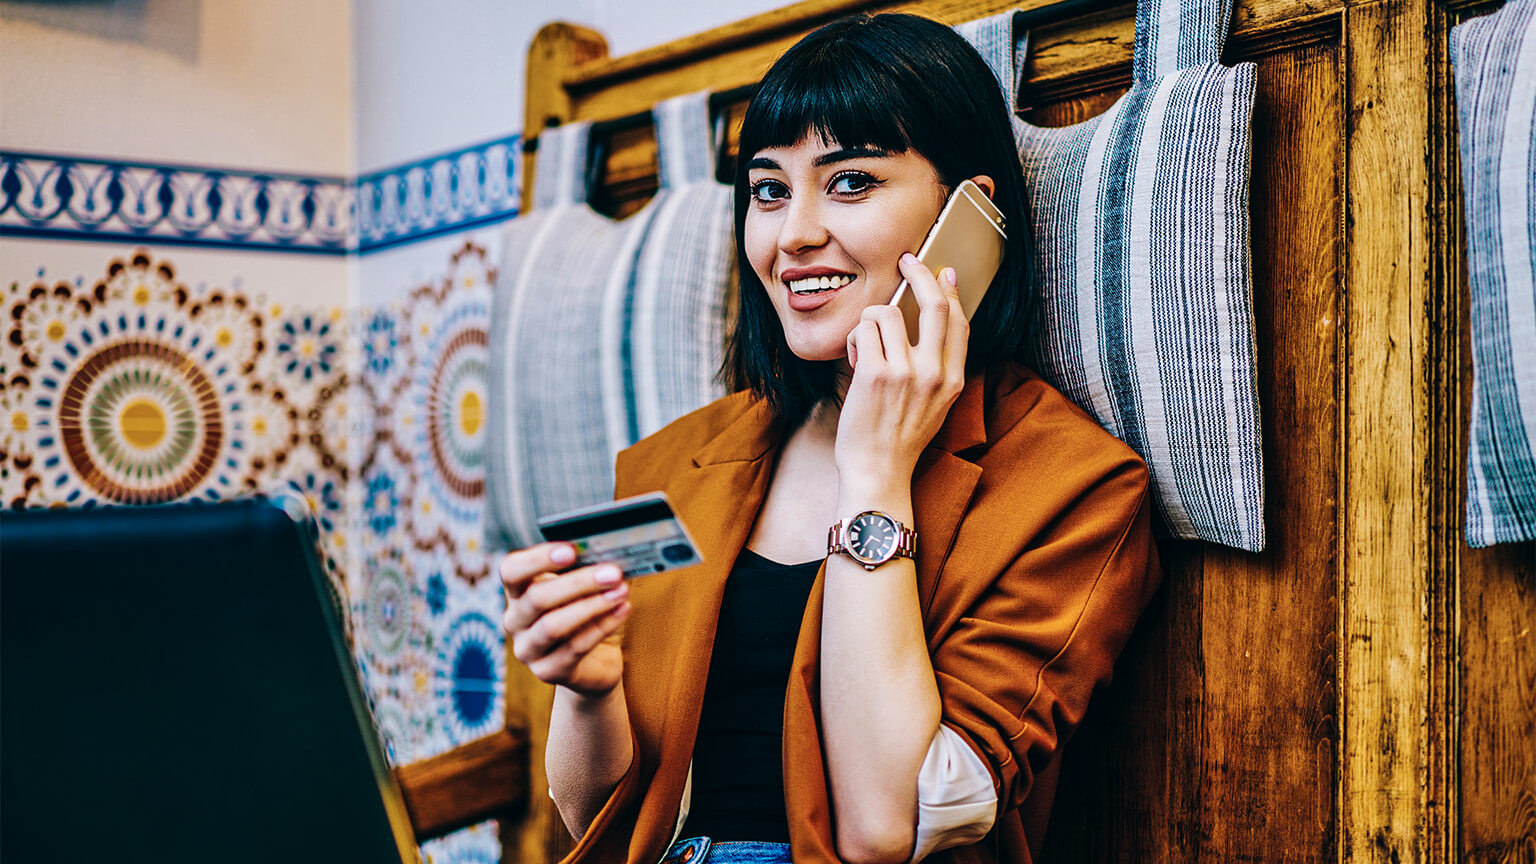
column 803, row 226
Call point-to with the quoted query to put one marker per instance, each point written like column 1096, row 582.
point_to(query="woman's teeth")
column 818, row 284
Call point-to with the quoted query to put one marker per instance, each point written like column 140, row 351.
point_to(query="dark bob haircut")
column 895, row 83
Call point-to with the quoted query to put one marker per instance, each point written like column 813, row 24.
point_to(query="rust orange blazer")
column 1034, row 560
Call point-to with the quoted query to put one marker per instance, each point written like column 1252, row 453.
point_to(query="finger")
column 932, row 302
column 518, row 569
column 545, row 635
column 546, row 595
column 558, row 665
column 588, row 637
column 865, row 339
column 892, row 331
column 956, row 344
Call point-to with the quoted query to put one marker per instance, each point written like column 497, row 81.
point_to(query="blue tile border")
column 463, row 188
column 91, row 199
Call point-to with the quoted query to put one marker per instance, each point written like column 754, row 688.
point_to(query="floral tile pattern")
column 136, row 389
column 128, row 386
column 421, row 483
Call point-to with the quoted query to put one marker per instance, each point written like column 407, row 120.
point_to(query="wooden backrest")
column 1361, row 689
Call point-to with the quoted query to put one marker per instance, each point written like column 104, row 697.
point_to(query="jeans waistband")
column 703, row 850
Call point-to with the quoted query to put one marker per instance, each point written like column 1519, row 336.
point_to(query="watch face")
column 871, row 537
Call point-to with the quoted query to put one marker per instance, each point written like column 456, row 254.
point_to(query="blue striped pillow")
column 601, row 331
column 1140, row 236
column 1494, row 59
column 546, row 448
column 674, row 323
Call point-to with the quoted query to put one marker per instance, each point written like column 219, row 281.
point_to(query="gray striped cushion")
column 682, row 301
column 1494, row 59
column 1140, row 223
column 603, row 332
column 546, row 447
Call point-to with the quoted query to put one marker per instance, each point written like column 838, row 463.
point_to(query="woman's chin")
column 820, row 353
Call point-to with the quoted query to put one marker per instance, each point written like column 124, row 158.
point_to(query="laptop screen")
column 175, row 686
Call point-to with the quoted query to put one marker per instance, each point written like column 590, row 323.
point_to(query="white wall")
column 264, row 85
column 431, row 77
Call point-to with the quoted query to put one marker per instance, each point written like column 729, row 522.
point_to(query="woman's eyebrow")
column 847, row 153
column 764, row 163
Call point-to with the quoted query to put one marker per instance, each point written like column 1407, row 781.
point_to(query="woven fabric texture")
column 1494, row 61
column 674, row 328
column 546, row 444
column 602, row 332
column 1140, row 235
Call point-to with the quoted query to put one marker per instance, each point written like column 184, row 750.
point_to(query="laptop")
column 175, row 685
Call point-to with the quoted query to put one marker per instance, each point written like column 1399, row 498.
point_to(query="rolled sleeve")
column 956, row 803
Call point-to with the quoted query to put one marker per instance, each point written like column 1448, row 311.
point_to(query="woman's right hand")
column 563, row 625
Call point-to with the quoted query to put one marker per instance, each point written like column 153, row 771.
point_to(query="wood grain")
column 1384, row 627
column 484, row 779
column 1269, row 620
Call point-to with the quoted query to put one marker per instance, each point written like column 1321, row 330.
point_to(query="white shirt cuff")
column 956, row 803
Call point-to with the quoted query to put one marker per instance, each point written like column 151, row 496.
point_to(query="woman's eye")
column 852, row 183
column 768, row 191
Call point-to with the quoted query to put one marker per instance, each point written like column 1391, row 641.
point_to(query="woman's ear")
column 986, row 185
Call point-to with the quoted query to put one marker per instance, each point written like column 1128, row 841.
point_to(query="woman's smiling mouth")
column 817, row 284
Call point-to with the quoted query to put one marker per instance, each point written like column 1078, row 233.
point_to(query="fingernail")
column 616, row 594
column 908, row 257
column 607, row 575
column 949, row 276
column 562, row 555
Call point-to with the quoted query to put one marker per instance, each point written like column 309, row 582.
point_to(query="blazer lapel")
column 943, row 484
column 717, row 499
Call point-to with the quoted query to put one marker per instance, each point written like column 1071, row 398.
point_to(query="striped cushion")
column 1140, row 238
column 546, row 447
column 1494, row 59
column 683, row 298
column 603, row 332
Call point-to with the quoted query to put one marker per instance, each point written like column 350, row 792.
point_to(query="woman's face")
column 825, row 228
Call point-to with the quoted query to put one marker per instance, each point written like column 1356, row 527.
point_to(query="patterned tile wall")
column 130, row 387
column 427, row 604
column 129, row 382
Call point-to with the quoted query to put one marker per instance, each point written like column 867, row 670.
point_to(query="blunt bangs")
column 825, row 95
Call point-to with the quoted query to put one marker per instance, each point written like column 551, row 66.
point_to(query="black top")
column 738, row 779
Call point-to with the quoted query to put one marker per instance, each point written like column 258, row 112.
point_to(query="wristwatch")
column 872, row 538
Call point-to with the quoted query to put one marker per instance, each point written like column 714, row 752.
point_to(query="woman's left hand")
column 901, row 393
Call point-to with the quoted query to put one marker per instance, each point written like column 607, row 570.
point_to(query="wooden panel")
column 738, row 54
column 1269, row 621
column 484, row 779
column 1220, row 740
column 1498, row 697
column 1388, row 727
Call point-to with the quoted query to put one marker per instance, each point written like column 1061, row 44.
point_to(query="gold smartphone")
column 968, row 236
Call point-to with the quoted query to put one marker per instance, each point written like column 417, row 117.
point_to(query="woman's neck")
column 822, row 422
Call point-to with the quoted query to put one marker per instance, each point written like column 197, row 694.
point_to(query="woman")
column 913, row 700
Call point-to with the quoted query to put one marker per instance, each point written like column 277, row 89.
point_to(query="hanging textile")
column 546, row 448
column 1494, row 60
column 603, row 332
column 685, row 280
column 1139, row 219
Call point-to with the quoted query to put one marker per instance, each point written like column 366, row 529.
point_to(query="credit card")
column 641, row 534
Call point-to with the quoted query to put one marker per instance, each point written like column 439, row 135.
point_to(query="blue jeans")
column 702, row 850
